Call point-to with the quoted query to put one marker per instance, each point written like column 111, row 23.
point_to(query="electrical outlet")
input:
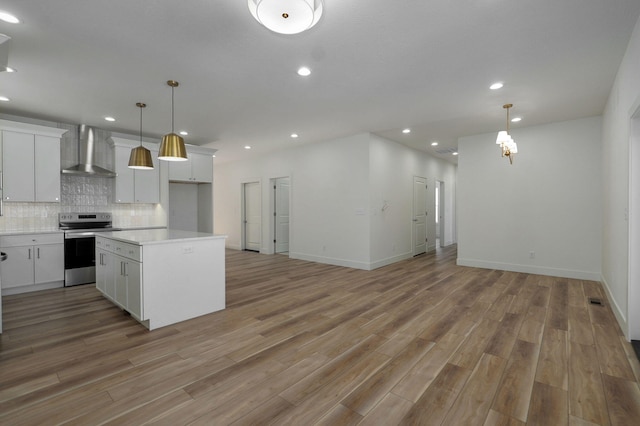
column 187, row 250
column 532, row 255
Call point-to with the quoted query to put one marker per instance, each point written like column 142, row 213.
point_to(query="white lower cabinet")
column 119, row 276
column 34, row 262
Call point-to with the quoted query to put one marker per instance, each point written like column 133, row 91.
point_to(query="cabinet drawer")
column 31, row 239
column 130, row 251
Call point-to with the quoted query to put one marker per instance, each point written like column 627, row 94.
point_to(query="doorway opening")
column 251, row 216
column 281, row 208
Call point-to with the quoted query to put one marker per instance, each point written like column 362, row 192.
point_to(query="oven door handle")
column 73, row 235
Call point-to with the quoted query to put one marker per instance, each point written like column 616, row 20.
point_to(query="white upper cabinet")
column 135, row 186
column 197, row 169
column 30, row 162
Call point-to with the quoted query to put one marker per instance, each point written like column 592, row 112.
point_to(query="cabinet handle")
column 38, row 252
column 29, row 253
column 122, row 268
column 126, row 273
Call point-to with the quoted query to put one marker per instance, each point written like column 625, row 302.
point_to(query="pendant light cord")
column 140, row 126
column 172, row 109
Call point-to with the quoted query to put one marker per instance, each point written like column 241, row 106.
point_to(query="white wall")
column 392, row 168
column 624, row 100
column 337, row 191
column 183, row 206
column 549, row 201
column 329, row 190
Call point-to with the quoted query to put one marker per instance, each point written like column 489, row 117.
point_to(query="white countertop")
column 33, row 231
column 158, row 236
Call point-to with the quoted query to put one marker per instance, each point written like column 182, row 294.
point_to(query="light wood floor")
column 419, row 342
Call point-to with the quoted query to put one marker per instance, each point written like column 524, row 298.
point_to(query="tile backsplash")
column 80, row 194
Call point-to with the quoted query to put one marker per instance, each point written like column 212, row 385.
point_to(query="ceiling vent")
column 445, row 151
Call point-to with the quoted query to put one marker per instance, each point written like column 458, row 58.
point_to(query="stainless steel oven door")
column 79, row 258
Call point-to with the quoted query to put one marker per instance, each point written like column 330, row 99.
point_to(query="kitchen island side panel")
column 182, row 280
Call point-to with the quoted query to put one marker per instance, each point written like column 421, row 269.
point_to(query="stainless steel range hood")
column 86, row 156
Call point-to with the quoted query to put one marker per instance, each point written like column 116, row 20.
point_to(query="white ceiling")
column 377, row 66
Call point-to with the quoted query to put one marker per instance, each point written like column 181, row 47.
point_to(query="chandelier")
column 506, row 142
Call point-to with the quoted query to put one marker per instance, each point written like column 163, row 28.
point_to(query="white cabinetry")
column 162, row 276
column 119, row 274
column 197, row 169
column 30, row 162
column 135, row 186
column 34, row 262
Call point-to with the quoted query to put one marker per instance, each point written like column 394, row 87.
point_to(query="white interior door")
column 252, row 216
column 419, row 219
column 281, row 214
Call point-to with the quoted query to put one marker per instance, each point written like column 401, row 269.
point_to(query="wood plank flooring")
column 419, row 342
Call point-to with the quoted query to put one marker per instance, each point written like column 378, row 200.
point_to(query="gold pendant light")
column 140, row 157
column 172, row 147
column 507, row 144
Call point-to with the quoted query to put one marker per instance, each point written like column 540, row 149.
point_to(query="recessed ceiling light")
column 304, row 71
column 516, row 119
column 214, row 156
column 7, row 17
column 454, row 153
column 434, row 143
column 184, row 133
column 405, row 131
column 247, row 147
column 4, row 99
column 496, row 86
column 294, row 135
column 110, row 119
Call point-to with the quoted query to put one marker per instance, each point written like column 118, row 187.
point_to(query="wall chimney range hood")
column 86, row 156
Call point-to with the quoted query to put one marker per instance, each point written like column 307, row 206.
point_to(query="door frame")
column 442, row 217
column 272, row 207
column 633, row 213
column 243, row 240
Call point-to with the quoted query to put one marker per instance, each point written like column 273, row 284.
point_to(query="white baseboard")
column 33, row 287
column 530, row 269
column 331, row 261
column 388, row 261
column 619, row 313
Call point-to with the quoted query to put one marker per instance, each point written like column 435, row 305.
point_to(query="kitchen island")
column 162, row 276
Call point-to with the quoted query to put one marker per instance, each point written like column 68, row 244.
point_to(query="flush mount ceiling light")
column 406, row 131
column 434, row 143
column 172, row 147
column 140, row 157
column 286, row 16
column 506, row 142
column 496, row 86
column 110, row 119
